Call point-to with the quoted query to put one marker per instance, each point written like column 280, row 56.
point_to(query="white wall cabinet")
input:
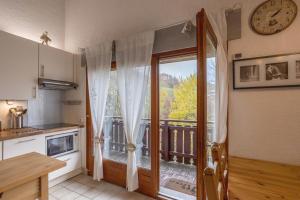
column 18, row 67
column 19, row 146
column 55, row 64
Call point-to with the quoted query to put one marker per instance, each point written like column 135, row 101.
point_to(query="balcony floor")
column 172, row 174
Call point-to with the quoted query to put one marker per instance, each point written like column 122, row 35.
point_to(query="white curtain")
column 98, row 65
column 133, row 56
column 218, row 23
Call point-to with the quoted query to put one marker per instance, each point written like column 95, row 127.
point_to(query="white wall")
column 30, row 18
column 265, row 123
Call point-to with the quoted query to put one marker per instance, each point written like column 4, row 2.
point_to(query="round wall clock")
column 273, row 16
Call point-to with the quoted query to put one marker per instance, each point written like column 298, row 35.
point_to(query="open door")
column 206, row 76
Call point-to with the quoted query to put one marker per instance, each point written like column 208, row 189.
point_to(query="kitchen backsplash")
column 46, row 109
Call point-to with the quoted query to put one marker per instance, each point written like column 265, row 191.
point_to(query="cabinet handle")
column 23, row 141
column 34, row 92
column 66, row 160
column 42, row 73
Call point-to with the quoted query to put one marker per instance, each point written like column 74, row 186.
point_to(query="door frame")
column 204, row 28
column 155, row 125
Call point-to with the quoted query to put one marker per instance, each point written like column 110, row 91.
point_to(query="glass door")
column 177, row 132
column 183, row 108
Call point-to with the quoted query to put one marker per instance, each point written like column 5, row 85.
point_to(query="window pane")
column 115, row 143
column 211, row 94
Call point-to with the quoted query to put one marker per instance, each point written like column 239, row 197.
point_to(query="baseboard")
column 65, row 177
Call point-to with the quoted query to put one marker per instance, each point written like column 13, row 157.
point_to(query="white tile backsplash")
column 46, row 109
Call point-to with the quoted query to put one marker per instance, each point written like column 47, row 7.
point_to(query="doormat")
column 180, row 186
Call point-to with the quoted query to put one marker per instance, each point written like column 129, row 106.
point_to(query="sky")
column 179, row 69
column 183, row 69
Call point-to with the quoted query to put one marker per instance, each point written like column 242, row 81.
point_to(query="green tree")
column 184, row 105
column 165, row 99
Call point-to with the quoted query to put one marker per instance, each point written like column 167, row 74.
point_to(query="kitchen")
column 34, row 111
column 172, row 99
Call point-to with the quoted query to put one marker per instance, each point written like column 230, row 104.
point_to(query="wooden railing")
column 177, row 139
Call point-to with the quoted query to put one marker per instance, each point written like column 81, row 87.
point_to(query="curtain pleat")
column 98, row 69
column 218, row 23
column 133, row 56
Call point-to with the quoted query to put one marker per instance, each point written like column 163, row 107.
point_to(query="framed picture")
column 266, row 72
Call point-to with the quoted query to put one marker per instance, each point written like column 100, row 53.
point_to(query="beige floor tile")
column 52, row 197
column 78, row 187
column 104, row 196
column 85, row 188
column 70, row 196
column 92, row 193
column 55, row 188
column 59, row 193
column 66, row 183
column 82, row 198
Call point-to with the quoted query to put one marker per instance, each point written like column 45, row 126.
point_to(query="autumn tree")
column 184, row 105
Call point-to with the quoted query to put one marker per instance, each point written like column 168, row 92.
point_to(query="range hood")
column 49, row 84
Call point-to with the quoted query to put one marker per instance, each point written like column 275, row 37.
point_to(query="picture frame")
column 267, row 72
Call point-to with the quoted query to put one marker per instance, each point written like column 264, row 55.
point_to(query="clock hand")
column 278, row 11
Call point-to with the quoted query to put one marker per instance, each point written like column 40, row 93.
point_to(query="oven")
column 58, row 145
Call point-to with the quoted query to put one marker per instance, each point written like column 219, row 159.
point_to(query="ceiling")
column 90, row 21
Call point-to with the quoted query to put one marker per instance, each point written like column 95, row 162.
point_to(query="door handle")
column 42, row 73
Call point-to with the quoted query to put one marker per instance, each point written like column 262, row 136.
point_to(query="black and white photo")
column 249, row 73
column 267, row 72
column 277, row 71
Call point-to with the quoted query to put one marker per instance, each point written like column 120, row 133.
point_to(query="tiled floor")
column 83, row 187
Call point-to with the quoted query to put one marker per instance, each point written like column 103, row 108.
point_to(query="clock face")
column 273, row 16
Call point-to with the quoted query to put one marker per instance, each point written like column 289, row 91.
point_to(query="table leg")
column 44, row 187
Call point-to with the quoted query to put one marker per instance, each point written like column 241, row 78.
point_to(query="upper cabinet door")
column 55, row 64
column 18, row 67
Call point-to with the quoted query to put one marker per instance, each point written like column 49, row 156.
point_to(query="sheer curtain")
column 133, row 56
column 98, row 65
column 218, row 23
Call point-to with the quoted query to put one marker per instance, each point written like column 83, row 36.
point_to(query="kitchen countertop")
column 36, row 130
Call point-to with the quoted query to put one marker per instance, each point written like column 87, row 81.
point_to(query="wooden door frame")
column 89, row 132
column 155, row 126
column 204, row 28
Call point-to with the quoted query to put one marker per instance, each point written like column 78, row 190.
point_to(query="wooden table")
column 25, row 177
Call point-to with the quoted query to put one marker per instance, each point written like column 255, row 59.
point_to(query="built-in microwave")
column 58, row 145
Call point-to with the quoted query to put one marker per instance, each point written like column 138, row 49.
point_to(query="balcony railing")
column 177, row 139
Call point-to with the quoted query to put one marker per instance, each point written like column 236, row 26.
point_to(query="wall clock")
column 273, row 16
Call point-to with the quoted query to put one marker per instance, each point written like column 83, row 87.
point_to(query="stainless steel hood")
column 49, row 84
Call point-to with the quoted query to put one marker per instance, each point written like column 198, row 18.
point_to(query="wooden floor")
column 259, row 180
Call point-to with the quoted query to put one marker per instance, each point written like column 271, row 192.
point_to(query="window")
column 115, row 142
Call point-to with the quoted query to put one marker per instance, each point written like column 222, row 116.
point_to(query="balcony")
column 177, row 148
